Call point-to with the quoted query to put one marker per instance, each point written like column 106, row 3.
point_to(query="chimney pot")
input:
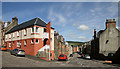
column 110, row 21
column 14, row 20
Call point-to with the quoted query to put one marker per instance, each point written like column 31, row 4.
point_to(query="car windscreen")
column 61, row 55
column 22, row 50
column 3, row 46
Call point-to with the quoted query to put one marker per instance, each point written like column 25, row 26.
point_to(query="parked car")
column 3, row 48
column 17, row 52
column 82, row 56
column 86, row 56
column 71, row 55
column 62, row 57
column 80, row 53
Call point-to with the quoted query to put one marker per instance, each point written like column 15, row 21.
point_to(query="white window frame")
column 32, row 41
column 6, row 36
column 17, row 33
column 9, row 44
column 37, row 29
column 25, row 31
column 13, row 35
column 9, row 35
column 32, row 30
column 25, row 42
column 18, row 44
column 38, row 41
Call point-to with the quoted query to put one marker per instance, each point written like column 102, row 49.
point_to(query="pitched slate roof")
column 36, row 21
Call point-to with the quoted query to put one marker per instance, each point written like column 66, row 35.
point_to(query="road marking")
column 68, row 62
column 62, row 64
column 58, row 62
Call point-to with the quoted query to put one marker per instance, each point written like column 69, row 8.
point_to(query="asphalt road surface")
column 13, row 61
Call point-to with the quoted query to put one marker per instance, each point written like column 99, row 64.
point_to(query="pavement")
column 30, row 61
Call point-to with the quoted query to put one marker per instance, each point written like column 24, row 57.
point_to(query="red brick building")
column 32, row 36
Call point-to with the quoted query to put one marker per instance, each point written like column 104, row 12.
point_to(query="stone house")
column 105, row 41
column 34, row 37
column 108, row 39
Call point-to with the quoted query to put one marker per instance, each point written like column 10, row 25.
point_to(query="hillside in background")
column 75, row 43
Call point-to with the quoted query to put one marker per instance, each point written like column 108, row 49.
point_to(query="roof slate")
column 36, row 21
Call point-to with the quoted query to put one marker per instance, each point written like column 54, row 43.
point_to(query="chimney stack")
column 94, row 33
column 110, row 21
column 14, row 20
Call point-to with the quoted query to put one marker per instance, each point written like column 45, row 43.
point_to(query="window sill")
column 32, row 43
column 17, row 36
column 34, row 33
column 36, row 43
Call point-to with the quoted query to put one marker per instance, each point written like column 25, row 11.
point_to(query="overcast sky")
column 75, row 21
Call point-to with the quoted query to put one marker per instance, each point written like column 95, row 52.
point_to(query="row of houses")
column 61, row 46
column 34, row 36
column 6, row 26
column 105, row 43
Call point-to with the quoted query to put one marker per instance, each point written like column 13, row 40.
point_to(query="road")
column 13, row 61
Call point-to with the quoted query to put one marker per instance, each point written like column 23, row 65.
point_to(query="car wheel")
column 16, row 55
column 11, row 53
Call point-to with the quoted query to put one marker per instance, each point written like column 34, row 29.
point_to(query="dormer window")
column 32, row 30
column 18, row 33
column 9, row 35
column 37, row 29
column 25, row 31
column 13, row 35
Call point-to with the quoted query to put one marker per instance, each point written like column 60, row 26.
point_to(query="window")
column 9, row 44
column 32, row 30
column 13, row 35
column 31, row 40
column 9, row 35
column 6, row 36
column 45, row 30
column 17, row 33
column 107, row 41
column 18, row 44
column 37, row 29
column 37, row 41
column 25, row 42
column 25, row 31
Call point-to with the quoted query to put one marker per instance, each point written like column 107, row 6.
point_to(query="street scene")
column 78, row 34
column 13, row 61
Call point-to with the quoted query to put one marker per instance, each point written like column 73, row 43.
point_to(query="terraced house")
column 33, row 36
